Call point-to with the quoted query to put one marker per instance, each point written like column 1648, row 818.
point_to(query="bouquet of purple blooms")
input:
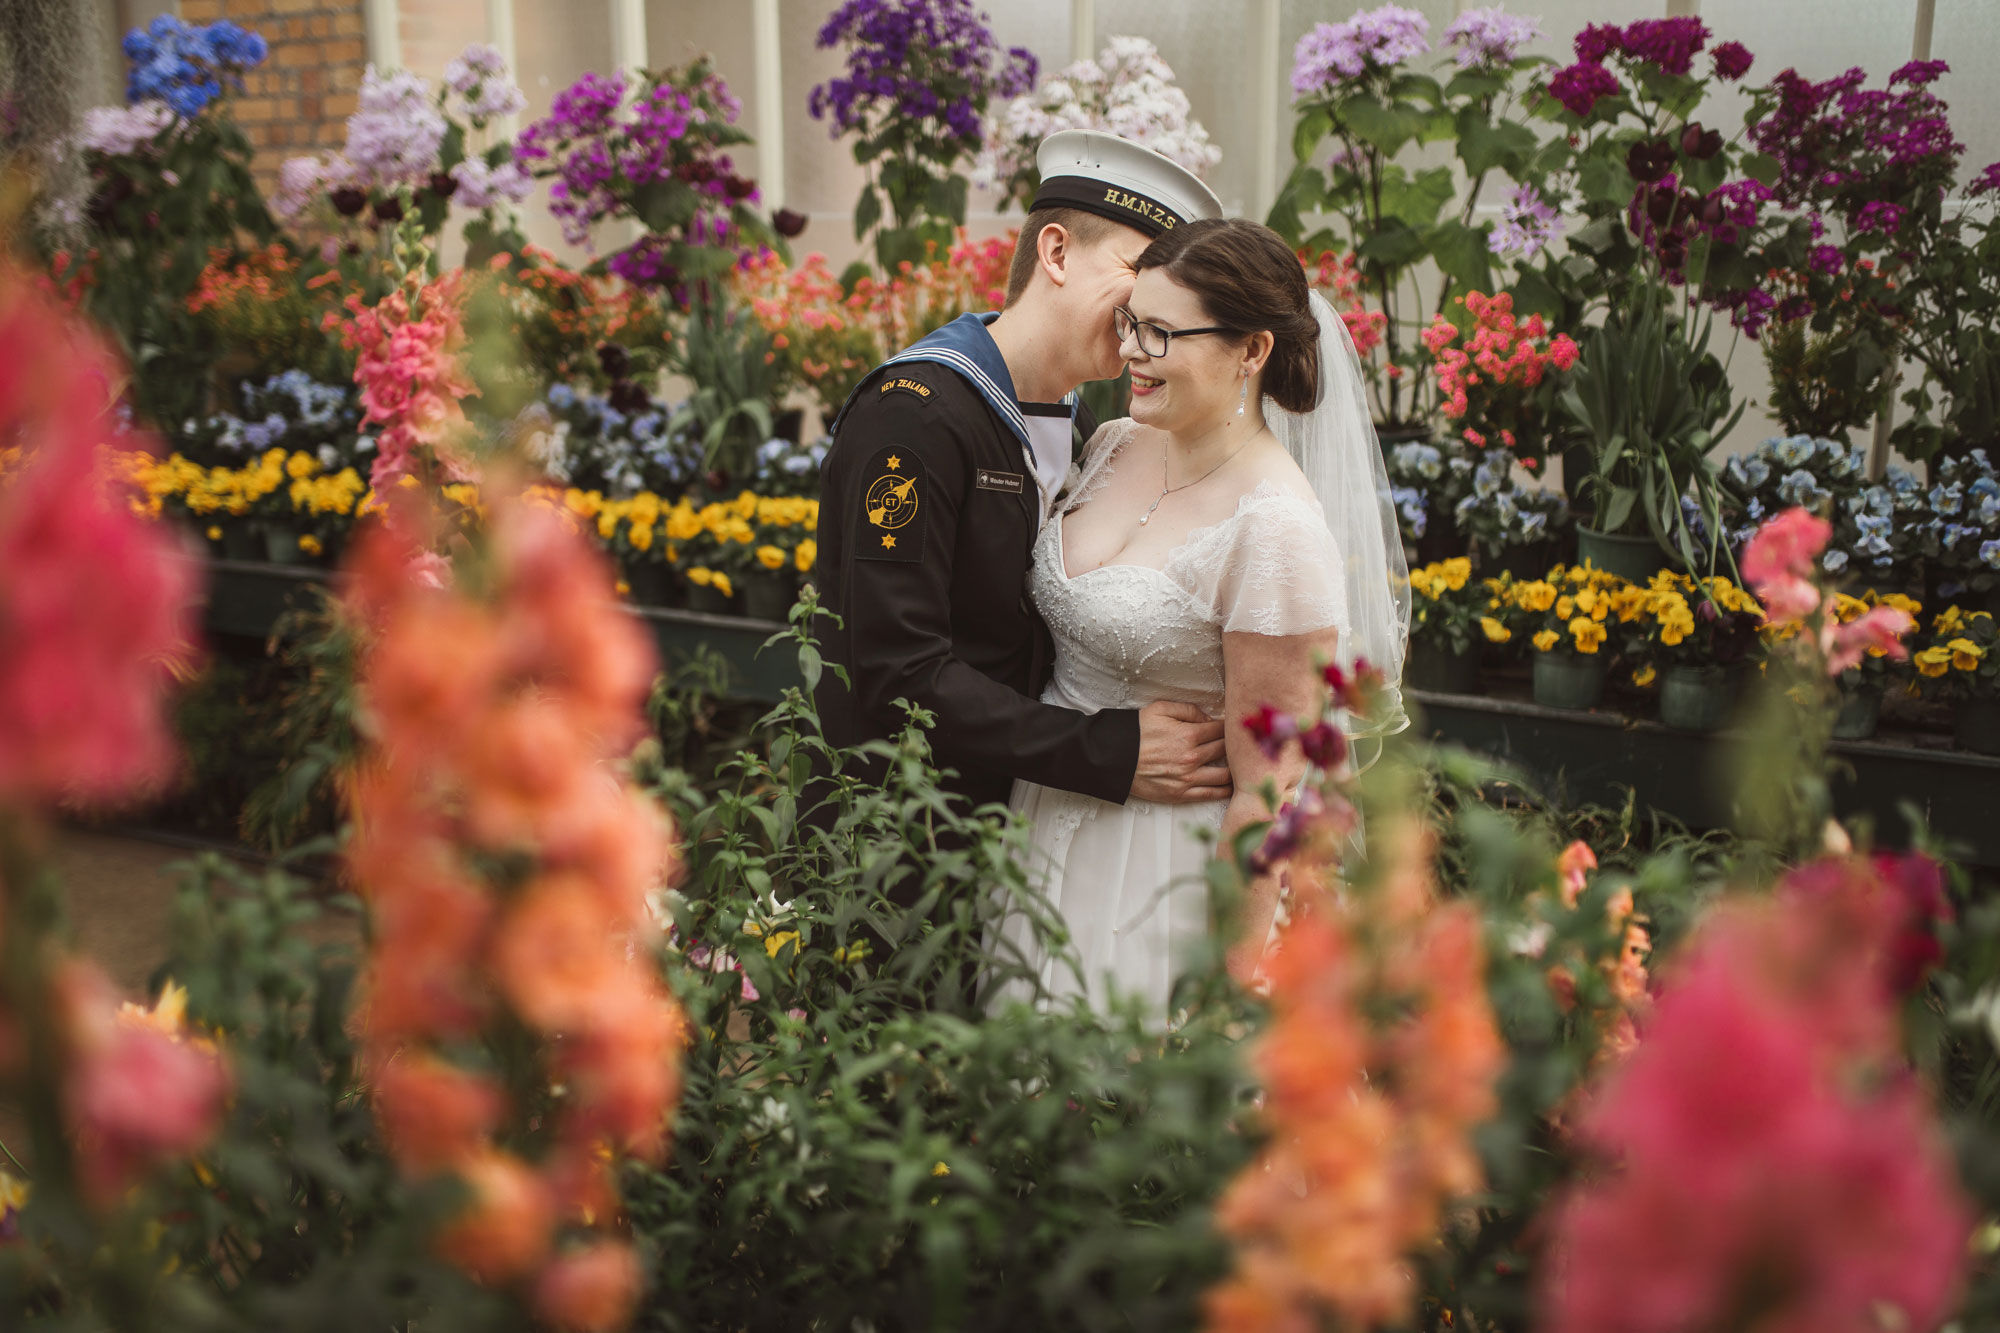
column 919, row 76
column 654, row 154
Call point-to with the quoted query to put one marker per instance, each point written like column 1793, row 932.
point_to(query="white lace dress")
column 1127, row 879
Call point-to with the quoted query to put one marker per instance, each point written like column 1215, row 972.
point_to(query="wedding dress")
column 1128, row 879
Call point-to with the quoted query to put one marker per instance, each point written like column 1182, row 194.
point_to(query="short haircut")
column 1083, row 228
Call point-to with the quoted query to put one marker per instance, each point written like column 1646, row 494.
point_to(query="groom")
column 945, row 464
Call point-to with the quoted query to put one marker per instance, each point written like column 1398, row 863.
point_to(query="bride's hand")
column 1180, row 756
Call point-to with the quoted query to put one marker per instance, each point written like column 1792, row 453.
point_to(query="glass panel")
column 1966, row 35
column 1205, row 41
column 557, row 42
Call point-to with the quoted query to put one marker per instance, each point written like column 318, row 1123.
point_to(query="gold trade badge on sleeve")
column 892, row 501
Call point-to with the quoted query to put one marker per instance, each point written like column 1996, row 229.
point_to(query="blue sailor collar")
column 964, row 346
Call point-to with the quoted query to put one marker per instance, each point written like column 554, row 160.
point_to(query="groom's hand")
column 1180, row 756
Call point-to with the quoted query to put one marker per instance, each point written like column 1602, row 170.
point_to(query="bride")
column 1214, row 548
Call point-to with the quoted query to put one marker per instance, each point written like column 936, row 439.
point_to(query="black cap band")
column 1135, row 210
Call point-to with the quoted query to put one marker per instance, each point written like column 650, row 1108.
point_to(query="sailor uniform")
column 933, row 492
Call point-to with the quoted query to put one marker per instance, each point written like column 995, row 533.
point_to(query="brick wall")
column 299, row 100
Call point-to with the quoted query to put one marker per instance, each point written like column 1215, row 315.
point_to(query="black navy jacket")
column 928, row 517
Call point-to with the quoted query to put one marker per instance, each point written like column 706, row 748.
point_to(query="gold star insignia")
column 888, row 542
column 894, row 462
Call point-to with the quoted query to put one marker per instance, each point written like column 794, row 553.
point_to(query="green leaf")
column 1534, row 295
column 1387, row 128
column 664, row 205
column 867, row 211
column 1393, row 247
column 1475, row 84
column 1484, row 145
column 1417, row 200
column 1619, row 508
column 1462, row 255
column 1313, row 126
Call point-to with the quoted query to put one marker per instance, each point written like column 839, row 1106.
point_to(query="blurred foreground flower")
column 1772, row 1162
column 512, row 996
column 93, row 598
column 1782, row 564
column 1379, row 1061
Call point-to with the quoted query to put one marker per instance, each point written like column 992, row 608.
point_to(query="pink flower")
column 93, row 598
column 136, row 1095
column 1775, row 1161
column 1883, row 628
column 1788, row 544
column 1271, row 730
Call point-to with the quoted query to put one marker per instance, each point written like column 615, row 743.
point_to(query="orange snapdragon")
column 507, row 869
column 1379, row 1061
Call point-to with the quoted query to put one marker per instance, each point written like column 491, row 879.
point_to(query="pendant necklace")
column 1166, row 490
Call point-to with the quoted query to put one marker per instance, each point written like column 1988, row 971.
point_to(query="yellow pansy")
column 1643, row 675
column 770, row 557
column 1934, row 661
column 1965, row 654
column 701, row 576
column 1536, row 596
column 1455, row 572
column 723, row 585
column 806, row 556
column 1495, row 631
column 641, row 536
column 309, row 544
column 1545, row 640
column 1589, row 635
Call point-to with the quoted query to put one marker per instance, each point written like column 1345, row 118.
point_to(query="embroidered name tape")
column 906, row 386
column 1010, row 482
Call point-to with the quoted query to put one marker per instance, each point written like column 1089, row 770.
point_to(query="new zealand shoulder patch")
column 892, row 508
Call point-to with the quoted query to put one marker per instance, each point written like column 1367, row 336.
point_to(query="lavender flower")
column 1528, row 224
column 394, row 137
column 121, row 131
column 481, row 186
column 1376, row 40
column 483, row 89
column 1489, row 38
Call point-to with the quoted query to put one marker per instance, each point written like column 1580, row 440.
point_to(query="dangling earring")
column 1243, row 396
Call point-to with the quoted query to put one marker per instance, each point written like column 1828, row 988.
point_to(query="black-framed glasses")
column 1154, row 340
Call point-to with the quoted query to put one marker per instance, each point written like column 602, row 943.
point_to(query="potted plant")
column 1650, row 402
column 1427, row 481
column 1451, row 614
column 717, row 552
column 1564, row 618
column 1962, row 663
column 1960, row 538
column 1360, row 105
column 783, row 551
column 1512, row 529
column 916, row 85
column 1693, row 634
column 1823, row 476
column 1863, row 685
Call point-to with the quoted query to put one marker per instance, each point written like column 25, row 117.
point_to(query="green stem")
column 9, row 1152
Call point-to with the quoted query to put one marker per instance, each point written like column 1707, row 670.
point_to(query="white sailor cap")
column 1118, row 179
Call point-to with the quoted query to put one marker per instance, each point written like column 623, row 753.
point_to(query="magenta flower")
column 1732, row 61
column 1580, row 86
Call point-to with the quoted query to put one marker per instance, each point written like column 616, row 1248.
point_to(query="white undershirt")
column 1050, row 437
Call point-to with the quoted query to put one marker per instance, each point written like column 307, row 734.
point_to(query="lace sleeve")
column 1274, row 568
column 1091, row 470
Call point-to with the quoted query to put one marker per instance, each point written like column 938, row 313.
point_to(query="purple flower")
column 1374, row 41
column 1527, row 224
column 1579, row 86
column 1749, row 309
column 1488, row 38
column 1880, row 215
column 1599, row 40
column 1828, row 259
column 1920, row 72
column 1986, row 182
column 933, row 60
column 1732, row 61
column 1669, row 43
column 394, row 136
column 481, row 186
column 1794, row 308
column 1288, row 830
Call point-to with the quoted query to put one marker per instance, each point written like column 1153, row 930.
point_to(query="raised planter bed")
column 1593, row 755
column 246, row 597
